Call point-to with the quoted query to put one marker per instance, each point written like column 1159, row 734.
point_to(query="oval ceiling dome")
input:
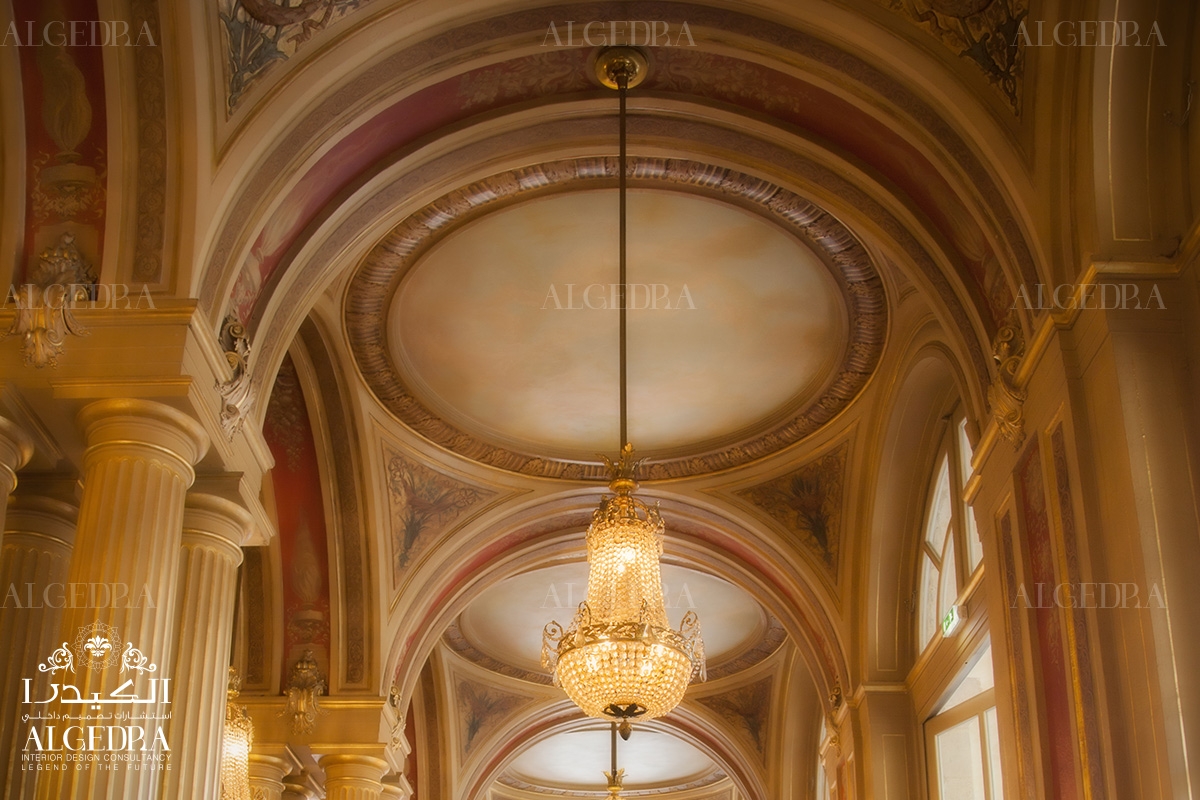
column 508, row 328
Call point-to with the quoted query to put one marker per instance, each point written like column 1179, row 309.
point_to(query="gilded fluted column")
column 34, row 561
column 214, row 530
column 15, row 450
column 266, row 776
column 137, row 469
column 353, row 777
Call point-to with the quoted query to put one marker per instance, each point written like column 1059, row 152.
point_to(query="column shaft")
column 137, row 468
column 15, row 450
column 33, row 570
column 213, row 531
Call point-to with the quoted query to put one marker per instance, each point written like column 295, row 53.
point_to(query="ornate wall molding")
column 44, row 306
column 152, row 147
column 341, row 434
column 237, row 393
column 1005, row 397
column 374, row 284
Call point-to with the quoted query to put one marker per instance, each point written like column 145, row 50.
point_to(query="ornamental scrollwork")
column 59, row 659
column 135, row 659
column 45, row 306
column 1006, row 398
column 305, row 685
column 237, row 393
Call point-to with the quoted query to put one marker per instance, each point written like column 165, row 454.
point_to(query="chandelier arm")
column 622, row 88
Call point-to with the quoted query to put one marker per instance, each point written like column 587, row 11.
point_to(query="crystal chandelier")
column 235, row 745
column 619, row 658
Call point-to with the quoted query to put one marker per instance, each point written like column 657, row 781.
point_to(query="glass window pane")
column 977, row 681
column 960, row 761
column 993, row 748
column 974, row 544
column 939, row 507
column 948, row 591
column 964, row 451
column 927, row 600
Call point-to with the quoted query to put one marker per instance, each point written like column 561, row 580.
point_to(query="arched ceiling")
column 288, row 228
column 442, row 190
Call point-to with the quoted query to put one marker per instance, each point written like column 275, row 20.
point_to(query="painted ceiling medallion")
column 470, row 317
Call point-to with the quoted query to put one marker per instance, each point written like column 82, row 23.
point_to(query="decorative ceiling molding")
column 152, row 148
column 375, row 282
column 454, row 639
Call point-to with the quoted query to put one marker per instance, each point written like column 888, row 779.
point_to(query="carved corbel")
column 45, row 305
column 237, row 393
column 305, row 685
column 1006, row 399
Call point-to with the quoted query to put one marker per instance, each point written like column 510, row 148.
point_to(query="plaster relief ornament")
column 1006, row 399
column 305, row 685
column 237, row 393
column 45, row 305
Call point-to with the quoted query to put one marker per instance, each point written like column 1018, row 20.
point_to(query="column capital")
column 352, row 775
column 16, row 448
column 43, row 508
column 142, row 426
column 211, row 517
column 351, row 764
column 267, row 773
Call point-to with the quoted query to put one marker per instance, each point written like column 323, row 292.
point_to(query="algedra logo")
column 618, row 33
column 77, row 724
column 78, row 33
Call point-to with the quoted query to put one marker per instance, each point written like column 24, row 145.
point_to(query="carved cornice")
column 375, row 282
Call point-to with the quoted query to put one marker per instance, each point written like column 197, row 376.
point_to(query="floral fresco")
column 259, row 33
column 480, row 708
column 423, row 504
column 808, row 503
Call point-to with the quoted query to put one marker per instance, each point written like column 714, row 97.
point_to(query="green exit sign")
column 953, row 620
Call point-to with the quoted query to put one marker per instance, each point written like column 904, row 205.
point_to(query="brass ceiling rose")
column 617, row 62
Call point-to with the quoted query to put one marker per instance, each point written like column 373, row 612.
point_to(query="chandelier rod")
column 622, row 77
column 614, row 747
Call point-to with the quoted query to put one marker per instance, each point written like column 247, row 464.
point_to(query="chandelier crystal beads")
column 619, row 658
